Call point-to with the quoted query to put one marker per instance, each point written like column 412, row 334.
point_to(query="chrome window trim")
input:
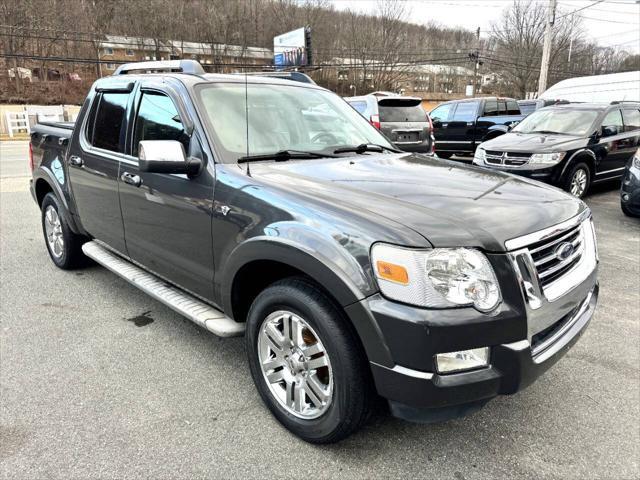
column 540, row 235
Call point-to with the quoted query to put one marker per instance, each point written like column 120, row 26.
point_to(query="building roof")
column 184, row 48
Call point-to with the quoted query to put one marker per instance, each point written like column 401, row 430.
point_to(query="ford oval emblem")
column 564, row 251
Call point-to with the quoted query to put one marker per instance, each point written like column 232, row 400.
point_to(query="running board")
column 194, row 309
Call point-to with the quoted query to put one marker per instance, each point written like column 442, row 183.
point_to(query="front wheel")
column 307, row 362
column 445, row 155
column 577, row 180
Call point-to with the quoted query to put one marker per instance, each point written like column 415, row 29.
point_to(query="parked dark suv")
column 271, row 209
column 401, row 119
column 571, row 146
column 460, row 126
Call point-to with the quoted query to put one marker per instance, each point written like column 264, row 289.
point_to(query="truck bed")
column 56, row 129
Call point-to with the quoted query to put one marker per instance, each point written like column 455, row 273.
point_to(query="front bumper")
column 536, row 323
column 513, row 367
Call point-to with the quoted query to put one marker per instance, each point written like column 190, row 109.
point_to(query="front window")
column 259, row 119
column 557, row 120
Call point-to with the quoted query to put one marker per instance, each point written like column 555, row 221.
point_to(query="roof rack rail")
column 618, row 102
column 294, row 76
column 179, row 66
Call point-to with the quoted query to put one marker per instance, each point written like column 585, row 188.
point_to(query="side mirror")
column 609, row 131
column 166, row 156
column 512, row 125
column 436, row 123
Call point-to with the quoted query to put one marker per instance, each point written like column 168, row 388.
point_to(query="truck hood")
column 448, row 203
column 534, row 142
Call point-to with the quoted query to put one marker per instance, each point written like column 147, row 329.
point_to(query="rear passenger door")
column 614, row 149
column 167, row 217
column 94, row 161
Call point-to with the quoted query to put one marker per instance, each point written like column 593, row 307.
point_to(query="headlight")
column 438, row 278
column 478, row 157
column 546, row 158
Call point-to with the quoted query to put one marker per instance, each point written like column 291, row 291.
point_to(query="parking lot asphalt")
column 98, row 380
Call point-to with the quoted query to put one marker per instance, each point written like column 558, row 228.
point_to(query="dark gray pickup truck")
column 271, row 208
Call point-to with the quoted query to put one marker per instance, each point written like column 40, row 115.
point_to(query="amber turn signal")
column 392, row 272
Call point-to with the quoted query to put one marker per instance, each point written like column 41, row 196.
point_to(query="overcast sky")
column 609, row 22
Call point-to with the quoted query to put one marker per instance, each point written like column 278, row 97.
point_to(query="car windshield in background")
column 267, row 118
column 401, row 112
column 557, row 120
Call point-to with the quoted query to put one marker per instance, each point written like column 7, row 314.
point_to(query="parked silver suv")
column 401, row 119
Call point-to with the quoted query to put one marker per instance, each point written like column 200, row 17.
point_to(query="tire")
column 64, row 246
column 445, row 155
column 342, row 386
column 581, row 173
column 626, row 211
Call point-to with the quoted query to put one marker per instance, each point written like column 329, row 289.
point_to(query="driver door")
column 167, row 217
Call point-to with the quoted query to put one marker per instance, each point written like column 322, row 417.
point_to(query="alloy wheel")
column 578, row 183
column 295, row 365
column 53, row 230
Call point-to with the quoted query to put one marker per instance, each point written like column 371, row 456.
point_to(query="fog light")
column 462, row 360
column 625, row 197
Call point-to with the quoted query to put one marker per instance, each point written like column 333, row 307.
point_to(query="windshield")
column 281, row 117
column 556, row 120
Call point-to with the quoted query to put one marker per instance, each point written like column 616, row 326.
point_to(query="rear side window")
column 502, row 107
column 465, row 112
column 109, row 119
column 158, row 119
column 361, row 107
column 490, row 108
column 512, row 108
column 631, row 119
column 398, row 113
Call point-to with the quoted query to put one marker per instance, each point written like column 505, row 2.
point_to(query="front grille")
column 506, row 159
column 550, row 264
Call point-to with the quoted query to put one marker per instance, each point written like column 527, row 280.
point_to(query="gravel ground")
column 97, row 380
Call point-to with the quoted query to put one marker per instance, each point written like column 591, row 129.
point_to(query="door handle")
column 76, row 161
column 131, row 179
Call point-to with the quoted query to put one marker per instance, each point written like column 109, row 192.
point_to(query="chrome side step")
column 194, row 309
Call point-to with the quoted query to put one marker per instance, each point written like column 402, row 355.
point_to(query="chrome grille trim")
column 560, row 265
column 506, row 159
column 540, row 235
column 553, row 242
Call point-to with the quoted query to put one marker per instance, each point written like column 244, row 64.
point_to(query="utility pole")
column 476, row 58
column 546, row 49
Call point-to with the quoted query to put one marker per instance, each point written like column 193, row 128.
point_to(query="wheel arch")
column 45, row 182
column 583, row 155
column 495, row 131
column 256, row 264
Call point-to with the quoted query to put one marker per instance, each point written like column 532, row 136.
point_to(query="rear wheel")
column 307, row 362
column 577, row 180
column 64, row 246
column 444, row 155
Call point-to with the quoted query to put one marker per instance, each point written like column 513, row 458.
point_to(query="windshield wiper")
column 282, row 156
column 366, row 147
column 547, row 132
